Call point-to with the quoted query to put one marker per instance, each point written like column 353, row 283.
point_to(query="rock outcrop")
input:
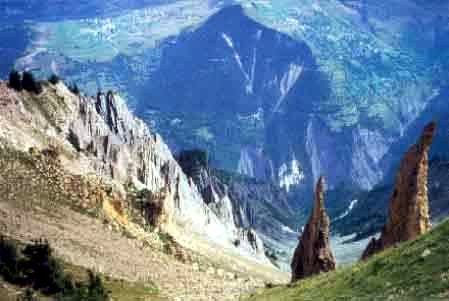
column 408, row 214
column 216, row 195
column 313, row 254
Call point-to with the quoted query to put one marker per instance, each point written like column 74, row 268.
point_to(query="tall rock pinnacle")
column 408, row 215
column 313, row 254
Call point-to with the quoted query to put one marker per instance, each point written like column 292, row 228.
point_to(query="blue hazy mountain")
column 225, row 84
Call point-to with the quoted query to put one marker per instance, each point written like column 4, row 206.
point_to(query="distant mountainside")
column 226, row 82
column 54, row 10
column 285, row 107
column 367, row 71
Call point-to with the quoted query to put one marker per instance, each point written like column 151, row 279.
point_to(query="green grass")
column 120, row 289
column 126, row 291
column 401, row 273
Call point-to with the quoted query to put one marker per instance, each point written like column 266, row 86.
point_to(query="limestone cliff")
column 408, row 214
column 99, row 137
column 216, row 194
column 313, row 254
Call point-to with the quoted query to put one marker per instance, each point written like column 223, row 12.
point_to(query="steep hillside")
column 415, row 270
column 21, row 284
column 99, row 185
column 233, row 75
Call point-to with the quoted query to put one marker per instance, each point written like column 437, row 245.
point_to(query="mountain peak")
column 234, row 10
column 233, row 15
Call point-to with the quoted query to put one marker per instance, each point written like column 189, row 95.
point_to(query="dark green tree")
column 15, row 80
column 9, row 261
column 54, row 79
column 42, row 270
column 28, row 295
column 96, row 288
column 74, row 89
column 36, row 268
column 30, row 84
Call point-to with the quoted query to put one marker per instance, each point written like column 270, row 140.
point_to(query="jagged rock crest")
column 313, row 254
column 408, row 215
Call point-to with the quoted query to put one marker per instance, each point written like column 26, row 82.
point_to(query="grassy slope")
column 120, row 289
column 401, row 273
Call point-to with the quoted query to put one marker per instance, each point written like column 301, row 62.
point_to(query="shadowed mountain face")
column 255, row 98
column 230, row 64
column 226, row 82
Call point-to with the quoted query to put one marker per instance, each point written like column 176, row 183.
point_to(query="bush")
column 9, row 261
column 54, row 79
column 15, row 80
column 28, row 295
column 93, row 291
column 30, row 84
column 42, row 270
column 96, row 288
column 39, row 269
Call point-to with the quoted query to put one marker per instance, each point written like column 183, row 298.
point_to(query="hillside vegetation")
column 415, row 270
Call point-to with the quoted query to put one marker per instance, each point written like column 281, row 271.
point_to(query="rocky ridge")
column 100, row 137
column 408, row 214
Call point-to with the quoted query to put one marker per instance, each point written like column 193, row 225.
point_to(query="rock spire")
column 408, row 215
column 313, row 254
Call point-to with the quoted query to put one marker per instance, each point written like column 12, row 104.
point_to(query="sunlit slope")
column 416, row 270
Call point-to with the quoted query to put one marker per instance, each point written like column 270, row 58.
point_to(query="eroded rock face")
column 217, row 196
column 408, row 215
column 195, row 165
column 313, row 254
